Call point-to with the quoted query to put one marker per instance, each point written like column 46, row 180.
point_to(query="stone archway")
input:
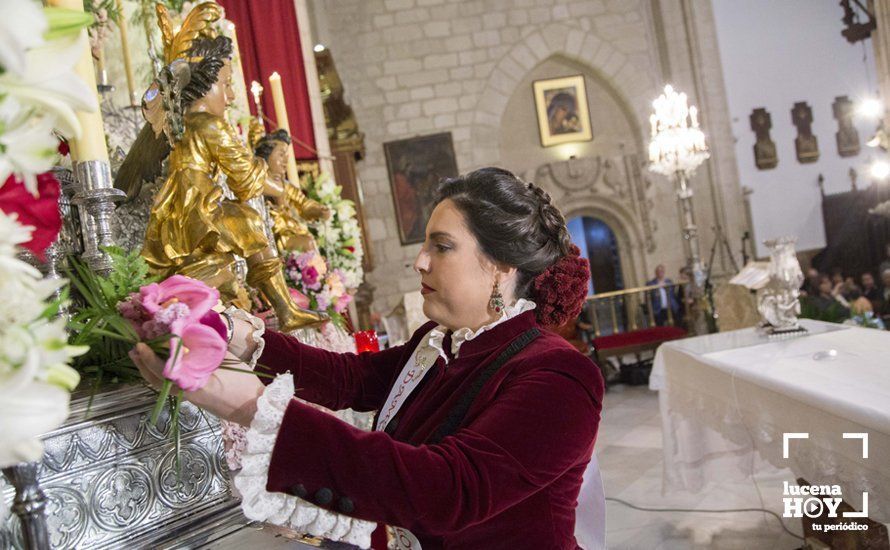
column 622, row 223
column 632, row 85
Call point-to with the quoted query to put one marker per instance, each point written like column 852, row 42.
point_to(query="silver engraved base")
column 108, row 480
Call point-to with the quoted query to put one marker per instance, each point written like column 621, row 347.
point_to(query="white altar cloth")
column 723, row 396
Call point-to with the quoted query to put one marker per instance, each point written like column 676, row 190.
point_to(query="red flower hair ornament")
column 559, row 292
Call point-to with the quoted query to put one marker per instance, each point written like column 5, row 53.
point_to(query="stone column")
column 880, row 39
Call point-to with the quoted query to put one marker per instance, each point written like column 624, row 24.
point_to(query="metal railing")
column 630, row 309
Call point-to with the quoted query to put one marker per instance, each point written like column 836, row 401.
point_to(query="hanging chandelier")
column 677, row 143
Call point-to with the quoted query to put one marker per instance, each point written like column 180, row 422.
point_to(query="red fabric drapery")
column 269, row 41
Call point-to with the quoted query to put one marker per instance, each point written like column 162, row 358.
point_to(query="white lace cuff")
column 280, row 508
column 255, row 336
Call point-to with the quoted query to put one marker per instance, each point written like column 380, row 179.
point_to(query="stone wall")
column 417, row 67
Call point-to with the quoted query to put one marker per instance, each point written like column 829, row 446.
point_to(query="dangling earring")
column 496, row 302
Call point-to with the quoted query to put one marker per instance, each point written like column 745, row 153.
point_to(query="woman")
column 486, row 422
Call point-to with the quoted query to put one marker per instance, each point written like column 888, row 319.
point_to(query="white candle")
column 125, row 47
column 281, row 121
column 91, row 144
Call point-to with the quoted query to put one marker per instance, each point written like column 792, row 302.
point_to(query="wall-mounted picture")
column 416, row 165
column 561, row 104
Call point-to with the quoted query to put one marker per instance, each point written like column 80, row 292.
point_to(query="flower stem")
column 246, row 371
column 162, row 398
column 176, row 441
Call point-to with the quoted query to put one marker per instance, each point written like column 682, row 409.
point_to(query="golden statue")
column 289, row 209
column 193, row 229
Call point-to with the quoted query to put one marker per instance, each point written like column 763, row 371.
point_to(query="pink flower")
column 214, row 320
column 200, row 352
column 192, row 293
column 342, row 302
column 310, row 277
column 299, row 298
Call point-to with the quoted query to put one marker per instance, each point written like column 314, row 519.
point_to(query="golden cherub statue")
column 289, row 209
column 193, row 229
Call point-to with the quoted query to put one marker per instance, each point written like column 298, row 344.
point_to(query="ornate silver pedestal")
column 107, row 480
column 95, row 197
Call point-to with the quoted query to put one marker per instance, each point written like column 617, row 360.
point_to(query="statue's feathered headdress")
column 199, row 23
column 193, row 57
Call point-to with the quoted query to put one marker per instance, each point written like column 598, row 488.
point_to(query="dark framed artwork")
column 415, row 166
column 561, row 104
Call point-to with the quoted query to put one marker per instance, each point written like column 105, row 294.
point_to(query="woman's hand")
column 241, row 343
column 227, row 394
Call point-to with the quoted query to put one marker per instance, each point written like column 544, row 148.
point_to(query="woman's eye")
column 442, row 248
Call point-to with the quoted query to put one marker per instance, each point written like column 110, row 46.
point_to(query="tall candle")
column 125, row 46
column 238, row 76
column 281, row 121
column 91, row 144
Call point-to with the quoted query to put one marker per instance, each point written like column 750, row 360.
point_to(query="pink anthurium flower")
column 194, row 355
column 183, row 300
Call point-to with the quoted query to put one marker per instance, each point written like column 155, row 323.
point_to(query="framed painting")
column 415, row 166
column 561, row 104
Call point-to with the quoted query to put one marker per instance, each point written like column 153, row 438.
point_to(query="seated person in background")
column 849, row 289
column 827, row 297
column 883, row 310
column 885, row 265
column 870, row 290
column 837, row 280
column 811, row 283
column 663, row 298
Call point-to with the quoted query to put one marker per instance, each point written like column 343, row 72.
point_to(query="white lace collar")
column 436, row 337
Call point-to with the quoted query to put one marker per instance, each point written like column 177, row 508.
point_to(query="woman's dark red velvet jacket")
column 507, row 478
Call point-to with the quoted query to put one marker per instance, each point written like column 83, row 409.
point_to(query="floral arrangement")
column 39, row 90
column 174, row 317
column 316, row 286
column 35, row 376
column 39, row 93
column 339, row 238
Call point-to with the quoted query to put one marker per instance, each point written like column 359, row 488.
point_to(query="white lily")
column 51, row 85
column 25, row 415
column 27, row 145
column 22, row 26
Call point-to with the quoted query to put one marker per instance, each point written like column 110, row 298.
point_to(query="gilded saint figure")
column 194, row 229
column 291, row 209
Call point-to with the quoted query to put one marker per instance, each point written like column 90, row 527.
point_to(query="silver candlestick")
column 95, row 197
column 29, row 504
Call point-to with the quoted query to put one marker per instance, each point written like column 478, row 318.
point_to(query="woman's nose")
column 422, row 262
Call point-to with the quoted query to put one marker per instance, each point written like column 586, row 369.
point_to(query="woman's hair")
column 266, row 144
column 514, row 222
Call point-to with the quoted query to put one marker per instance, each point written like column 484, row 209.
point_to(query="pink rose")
column 310, row 276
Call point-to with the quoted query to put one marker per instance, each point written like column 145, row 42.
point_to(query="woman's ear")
column 506, row 277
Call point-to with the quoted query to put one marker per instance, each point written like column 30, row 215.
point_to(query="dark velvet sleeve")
column 336, row 380
column 541, row 424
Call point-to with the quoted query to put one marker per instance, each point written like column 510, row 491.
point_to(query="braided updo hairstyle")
column 515, row 224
